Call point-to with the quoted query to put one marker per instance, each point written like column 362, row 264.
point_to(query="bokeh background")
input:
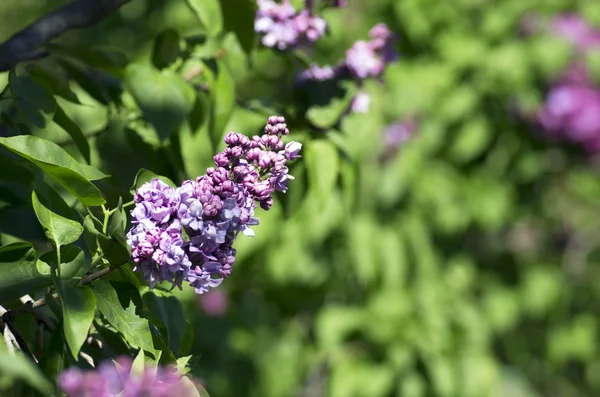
column 441, row 244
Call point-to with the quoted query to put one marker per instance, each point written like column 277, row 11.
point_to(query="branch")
column 12, row 334
column 31, row 305
column 24, row 45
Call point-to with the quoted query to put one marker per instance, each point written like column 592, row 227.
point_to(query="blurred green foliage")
column 464, row 266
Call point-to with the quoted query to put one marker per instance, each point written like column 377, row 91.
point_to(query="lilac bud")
column 292, row 149
column 232, row 138
column 222, row 159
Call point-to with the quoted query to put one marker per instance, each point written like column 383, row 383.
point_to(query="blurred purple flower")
column 110, row 380
column 214, row 303
column 282, row 27
column 572, row 107
column 394, row 135
column 369, row 58
column 360, row 103
column 572, row 112
column 577, row 31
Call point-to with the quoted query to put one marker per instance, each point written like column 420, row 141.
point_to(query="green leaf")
column 114, row 251
column 322, row 163
column 20, row 367
column 134, row 328
column 117, row 223
column 188, row 338
column 63, row 120
column 144, row 176
column 52, row 362
column 169, row 311
column 199, row 113
column 164, row 97
column 78, row 306
column 18, row 272
column 223, row 99
column 327, row 116
column 472, row 140
column 99, row 85
column 166, row 48
column 238, row 17
column 59, row 229
column 32, row 99
column 57, row 163
column 113, row 340
column 72, row 260
column 56, row 81
column 209, row 13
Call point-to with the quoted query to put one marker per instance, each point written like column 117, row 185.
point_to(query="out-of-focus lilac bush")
column 572, row 107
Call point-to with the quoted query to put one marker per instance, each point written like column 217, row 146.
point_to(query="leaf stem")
column 128, row 204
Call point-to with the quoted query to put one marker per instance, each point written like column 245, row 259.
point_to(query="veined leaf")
column 209, row 13
column 32, row 99
column 238, row 17
column 63, row 120
column 19, row 366
column 164, row 97
column 144, row 176
column 57, row 163
column 78, row 306
column 135, row 329
column 18, row 271
column 169, row 311
column 60, row 230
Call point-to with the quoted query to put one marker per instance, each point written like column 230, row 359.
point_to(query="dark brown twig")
column 24, row 45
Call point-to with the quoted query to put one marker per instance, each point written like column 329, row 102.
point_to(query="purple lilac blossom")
column 281, row 26
column 214, row 303
column 572, row 111
column 110, row 380
column 394, row 135
column 577, row 31
column 572, row 107
column 319, row 73
column 186, row 234
column 369, row 58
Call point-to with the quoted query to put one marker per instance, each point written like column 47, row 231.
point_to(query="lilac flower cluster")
column 283, row 27
column 365, row 59
column 572, row 107
column 187, row 233
column 369, row 58
column 110, row 380
column 577, row 31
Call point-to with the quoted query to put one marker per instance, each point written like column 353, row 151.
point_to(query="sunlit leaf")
column 57, row 163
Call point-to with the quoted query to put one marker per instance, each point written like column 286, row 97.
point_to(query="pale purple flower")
column 573, row 112
column 577, row 31
column 360, row 103
column 362, row 60
column 292, row 149
column 214, row 303
column 369, row 58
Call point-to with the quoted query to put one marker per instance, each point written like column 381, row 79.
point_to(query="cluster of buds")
column 187, row 233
